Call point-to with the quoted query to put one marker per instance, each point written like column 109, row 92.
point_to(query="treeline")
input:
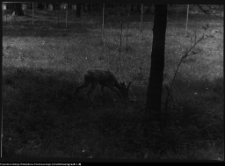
column 111, row 9
column 84, row 7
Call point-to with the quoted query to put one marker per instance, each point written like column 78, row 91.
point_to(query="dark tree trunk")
column 154, row 93
column 9, row 6
column 107, row 6
column 29, row 6
column 84, row 8
column 131, row 8
column 46, row 6
column 89, row 8
column 111, row 9
column 138, row 10
column 55, row 6
column 78, row 10
column 69, row 6
column 40, row 6
column 18, row 9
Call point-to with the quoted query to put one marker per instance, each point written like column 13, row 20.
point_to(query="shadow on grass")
column 38, row 109
column 40, row 120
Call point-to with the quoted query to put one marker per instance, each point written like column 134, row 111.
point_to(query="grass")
column 43, row 64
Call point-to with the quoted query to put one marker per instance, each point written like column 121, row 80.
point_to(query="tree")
column 10, row 5
column 131, row 8
column 69, row 6
column 55, row 6
column 154, row 93
column 78, row 10
column 84, row 8
column 18, row 9
column 89, row 8
column 40, row 6
column 138, row 9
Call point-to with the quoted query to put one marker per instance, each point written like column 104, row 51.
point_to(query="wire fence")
column 116, row 27
column 68, row 17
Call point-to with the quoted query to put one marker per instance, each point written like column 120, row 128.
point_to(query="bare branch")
column 178, row 66
column 209, row 11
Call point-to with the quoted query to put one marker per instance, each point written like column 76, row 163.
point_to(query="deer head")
column 124, row 89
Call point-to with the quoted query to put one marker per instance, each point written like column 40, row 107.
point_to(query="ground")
column 45, row 62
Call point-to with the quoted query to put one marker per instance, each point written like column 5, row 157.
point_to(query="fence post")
column 66, row 13
column 142, row 19
column 32, row 13
column 103, row 16
column 187, row 20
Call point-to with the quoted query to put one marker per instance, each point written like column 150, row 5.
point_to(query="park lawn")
column 44, row 63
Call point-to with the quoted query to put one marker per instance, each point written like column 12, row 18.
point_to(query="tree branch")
column 209, row 11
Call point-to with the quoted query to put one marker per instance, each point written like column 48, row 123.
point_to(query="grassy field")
column 45, row 62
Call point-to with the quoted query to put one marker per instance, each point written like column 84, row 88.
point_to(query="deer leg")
column 93, row 86
column 114, row 89
column 84, row 85
column 102, row 90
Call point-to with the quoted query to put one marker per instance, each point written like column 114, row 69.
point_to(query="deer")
column 104, row 78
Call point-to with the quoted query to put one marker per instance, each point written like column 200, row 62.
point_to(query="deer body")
column 105, row 79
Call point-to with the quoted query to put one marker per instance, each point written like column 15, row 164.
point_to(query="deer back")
column 105, row 78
